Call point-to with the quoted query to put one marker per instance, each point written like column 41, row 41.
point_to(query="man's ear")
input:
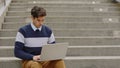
column 32, row 18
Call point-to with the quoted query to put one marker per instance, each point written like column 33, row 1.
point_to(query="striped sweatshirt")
column 29, row 42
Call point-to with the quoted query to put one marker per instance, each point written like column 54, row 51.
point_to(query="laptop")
column 53, row 51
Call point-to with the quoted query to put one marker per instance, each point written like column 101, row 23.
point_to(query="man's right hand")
column 36, row 58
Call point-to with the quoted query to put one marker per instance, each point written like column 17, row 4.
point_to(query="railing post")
column 4, row 2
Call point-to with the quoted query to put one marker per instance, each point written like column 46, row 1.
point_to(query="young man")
column 30, row 39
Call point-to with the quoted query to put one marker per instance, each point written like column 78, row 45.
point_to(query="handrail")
column 3, row 3
column 3, row 9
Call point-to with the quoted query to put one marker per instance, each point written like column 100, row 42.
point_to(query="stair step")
column 8, row 51
column 73, row 41
column 105, row 20
column 112, row 26
column 36, row 1
column 68, row 8
column 78, row 4
column 88, row 13
column 93, row 51
column 63, row 4
column 71, row 62
column 66, row 19
column 65, row 32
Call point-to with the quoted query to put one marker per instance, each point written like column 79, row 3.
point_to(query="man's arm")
column 19, row 46
column 51, row 39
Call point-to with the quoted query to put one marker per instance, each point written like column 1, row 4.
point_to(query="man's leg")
column 31, row 64
column 59, row 64
column 45, row 64
column 56, row 64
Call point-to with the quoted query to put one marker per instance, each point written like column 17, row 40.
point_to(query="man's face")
column 38, row 21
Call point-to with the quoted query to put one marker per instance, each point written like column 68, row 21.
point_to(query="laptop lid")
column 53, row 51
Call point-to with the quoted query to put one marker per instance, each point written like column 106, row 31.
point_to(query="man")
column 30, row 39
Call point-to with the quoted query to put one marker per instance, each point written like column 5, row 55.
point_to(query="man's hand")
column 36, row 58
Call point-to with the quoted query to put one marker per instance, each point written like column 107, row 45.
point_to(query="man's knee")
column 33, row 64
column 36, row 65
column 59, row 63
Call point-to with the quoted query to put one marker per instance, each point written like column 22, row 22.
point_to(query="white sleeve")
column 19, row 37
column 51, row 39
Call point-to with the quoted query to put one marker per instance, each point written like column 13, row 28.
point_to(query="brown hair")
column 38, row 12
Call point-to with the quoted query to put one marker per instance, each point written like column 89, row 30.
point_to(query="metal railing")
column 2, row 3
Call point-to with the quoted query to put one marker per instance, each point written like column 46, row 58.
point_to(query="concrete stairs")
column 91, row 27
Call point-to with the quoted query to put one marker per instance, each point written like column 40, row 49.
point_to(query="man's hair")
column 38, row 12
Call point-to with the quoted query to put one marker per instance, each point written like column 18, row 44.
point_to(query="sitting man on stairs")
column 30, row 39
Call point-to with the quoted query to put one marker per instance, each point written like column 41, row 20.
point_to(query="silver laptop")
column 53, row 51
